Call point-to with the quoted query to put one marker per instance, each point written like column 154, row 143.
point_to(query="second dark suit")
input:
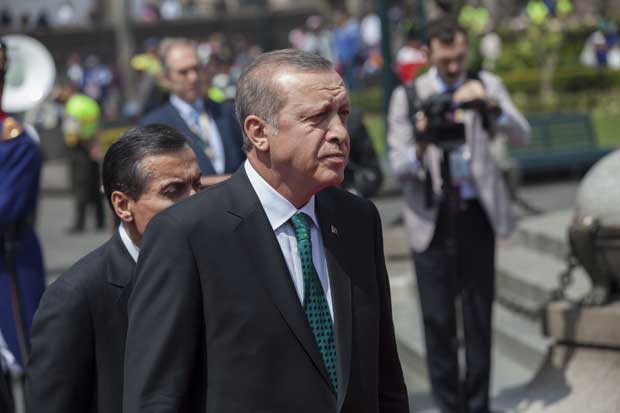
column 215, row 324
column 224, row 116
column 78, row 336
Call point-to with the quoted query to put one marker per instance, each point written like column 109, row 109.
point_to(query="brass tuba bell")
column 30, row 75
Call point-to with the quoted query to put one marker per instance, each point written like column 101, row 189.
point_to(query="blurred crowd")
column 602, row 48
column 44, row 18
column 354, row 44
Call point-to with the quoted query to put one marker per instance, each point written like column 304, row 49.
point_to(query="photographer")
column 453, row 210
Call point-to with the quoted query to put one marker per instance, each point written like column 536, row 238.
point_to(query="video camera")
column 443, row 130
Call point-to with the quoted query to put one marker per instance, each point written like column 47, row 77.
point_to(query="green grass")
column 607, row 130
column 375, row 123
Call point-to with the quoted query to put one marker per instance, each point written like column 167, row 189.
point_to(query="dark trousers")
column 96, row 202
column 472, row 279
column 6, row 394
column 86, row 184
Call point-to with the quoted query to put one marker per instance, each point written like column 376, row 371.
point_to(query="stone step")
column 519, row 347
column 527, row 278
column 521, row 337
column 546, row 233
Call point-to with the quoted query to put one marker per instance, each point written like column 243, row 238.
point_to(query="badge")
column 11, row 129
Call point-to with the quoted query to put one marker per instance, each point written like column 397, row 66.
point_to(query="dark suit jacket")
column 215, row 324
column 227, row 125
column 78, row 336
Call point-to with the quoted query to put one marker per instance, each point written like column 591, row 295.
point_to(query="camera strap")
column 484, row 114
column 412, row 100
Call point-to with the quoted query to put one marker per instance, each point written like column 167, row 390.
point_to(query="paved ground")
column 62, row 250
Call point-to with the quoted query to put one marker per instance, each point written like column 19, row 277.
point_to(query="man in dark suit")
column 78, row 334
column 269, row 292
column 211, row 128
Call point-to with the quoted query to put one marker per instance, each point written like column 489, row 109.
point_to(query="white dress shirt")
column 190, row 113
column 279, row 211
column 132, row 248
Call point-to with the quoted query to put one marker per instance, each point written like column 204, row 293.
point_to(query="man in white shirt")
column 211, row 128
column 78, row 333
column 268, row 292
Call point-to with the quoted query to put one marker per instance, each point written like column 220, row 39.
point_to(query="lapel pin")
column 334, row 230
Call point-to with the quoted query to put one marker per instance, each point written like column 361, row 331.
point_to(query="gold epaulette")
column 11, row 129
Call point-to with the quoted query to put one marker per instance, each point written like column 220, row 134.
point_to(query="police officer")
column 80, row 128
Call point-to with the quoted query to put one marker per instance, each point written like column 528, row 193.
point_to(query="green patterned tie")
column 315, row 302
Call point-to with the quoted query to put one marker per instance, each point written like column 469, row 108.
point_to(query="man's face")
column 450, row 60
column 171, row 177
column 183, row 72
column 310, row 149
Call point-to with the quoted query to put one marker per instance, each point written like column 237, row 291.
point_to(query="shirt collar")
column 132, row 248
column 443, row 86
column 185, row 107
column 278, row 209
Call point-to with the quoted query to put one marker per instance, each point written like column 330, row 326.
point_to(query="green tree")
column 544, row 37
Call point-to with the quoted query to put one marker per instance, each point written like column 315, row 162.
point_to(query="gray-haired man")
column 268, row 292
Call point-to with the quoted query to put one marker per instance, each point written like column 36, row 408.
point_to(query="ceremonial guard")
column 21, row 264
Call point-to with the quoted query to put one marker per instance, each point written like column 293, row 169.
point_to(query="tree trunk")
column 547, row 93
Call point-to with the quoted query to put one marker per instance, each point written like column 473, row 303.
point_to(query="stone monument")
column 583, row 367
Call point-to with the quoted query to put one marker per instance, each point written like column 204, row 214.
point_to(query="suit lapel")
column 120, row 265
column 340, row 281
column 268, row 263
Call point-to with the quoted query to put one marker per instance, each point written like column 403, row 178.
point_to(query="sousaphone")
column 30, row 76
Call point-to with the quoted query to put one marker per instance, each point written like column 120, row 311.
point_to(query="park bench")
column 559, row 142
